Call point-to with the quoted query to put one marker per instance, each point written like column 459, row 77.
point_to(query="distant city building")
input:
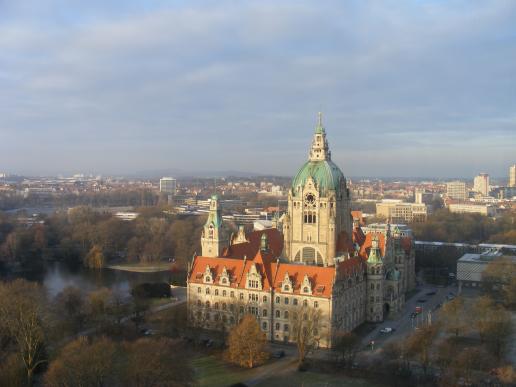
column 423, row 197
column 482, row 209
column 400, row 212
column 512, row 176
column 471, row 266
column 481, row 184
column 126, row 215
column 456, row 190
column 168, row 185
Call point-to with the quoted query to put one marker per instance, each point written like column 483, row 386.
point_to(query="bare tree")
column 419, row 345
column 246, row 343
column 306, row 330
column 22, row 318
column 453, row 316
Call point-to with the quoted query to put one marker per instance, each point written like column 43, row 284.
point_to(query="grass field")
column 211, row 371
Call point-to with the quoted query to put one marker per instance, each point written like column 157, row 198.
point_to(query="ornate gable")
column 286, row 285
column 224, row 277
column 254, row 278
column 306, row 286
column 208, row 275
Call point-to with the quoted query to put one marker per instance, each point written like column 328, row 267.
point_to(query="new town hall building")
column 317, row 261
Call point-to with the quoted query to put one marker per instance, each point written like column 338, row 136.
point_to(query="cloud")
column 231, row 85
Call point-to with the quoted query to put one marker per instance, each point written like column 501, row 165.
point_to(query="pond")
column 57, row 276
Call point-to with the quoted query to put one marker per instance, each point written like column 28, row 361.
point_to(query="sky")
column 407, row 88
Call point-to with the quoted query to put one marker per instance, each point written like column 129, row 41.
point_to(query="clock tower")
column 319, row 214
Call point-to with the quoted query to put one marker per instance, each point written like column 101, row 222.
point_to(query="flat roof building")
column 471, row 266
column 399, row 212
column 456, row 190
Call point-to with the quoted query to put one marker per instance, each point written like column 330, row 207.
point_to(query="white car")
column 386, row 330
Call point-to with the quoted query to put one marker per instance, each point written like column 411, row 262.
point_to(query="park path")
column 282, row 366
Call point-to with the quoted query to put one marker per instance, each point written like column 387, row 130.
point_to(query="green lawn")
column 313, row 379
column 212, row 372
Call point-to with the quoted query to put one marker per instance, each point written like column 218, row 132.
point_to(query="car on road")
column 386, row 330
column 278, row 354
column 421, row 300
column 431, row 293
column 419, row 309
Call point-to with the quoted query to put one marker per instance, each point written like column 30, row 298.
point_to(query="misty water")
column 57, row 276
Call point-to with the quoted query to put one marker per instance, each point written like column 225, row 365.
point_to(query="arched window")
column 305, row 289
column 277, row 326
column 285, row 314
column 264, row 325
column 278, row 313
column 285, row 327
column 305, row 303
column 277, row 300
column 286, row 288
column 217, row 305
column 207, row 290
column 264, row 313
column 224, row 293
column 207, row 304
column 286, row 300
column 294, row 301
column 264, row 298
column 216, row 292
column 210, row 232
column 224, row 306
column 199, row 290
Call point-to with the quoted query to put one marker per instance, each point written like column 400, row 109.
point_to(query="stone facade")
column 320, row 264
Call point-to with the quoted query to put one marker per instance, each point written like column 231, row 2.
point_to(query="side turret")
column 214, row 237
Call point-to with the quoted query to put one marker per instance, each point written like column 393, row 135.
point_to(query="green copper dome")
column 326, row 175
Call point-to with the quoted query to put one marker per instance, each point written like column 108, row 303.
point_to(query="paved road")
column 402, row 323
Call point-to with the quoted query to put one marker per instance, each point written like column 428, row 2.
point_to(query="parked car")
column 431, row 293
column 419, row 309
column 421, row 300
column 278, row 354
column 386, row 330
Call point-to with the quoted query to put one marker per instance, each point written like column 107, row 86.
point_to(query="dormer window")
column 306, row 285
column 208, row 277
column 224, row 277
column 286, row 285
column 254, row 279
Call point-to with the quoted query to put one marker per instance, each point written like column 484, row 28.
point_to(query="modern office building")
column 168, row 185
column 395, row 211
column 456, row 190
column 512, row 176
column 481, row 184
column 482, row 209
column 471, row 266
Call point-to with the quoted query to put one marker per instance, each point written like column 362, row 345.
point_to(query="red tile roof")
column 251, row 248
column 366, row 246
column 273, row 273
column 406, row 243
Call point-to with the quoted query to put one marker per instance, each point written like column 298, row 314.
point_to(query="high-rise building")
column 456, row 190
column 168, row 185
column 481, row 184
column 512, row 175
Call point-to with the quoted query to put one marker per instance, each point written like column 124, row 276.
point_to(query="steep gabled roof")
column 251, row 248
